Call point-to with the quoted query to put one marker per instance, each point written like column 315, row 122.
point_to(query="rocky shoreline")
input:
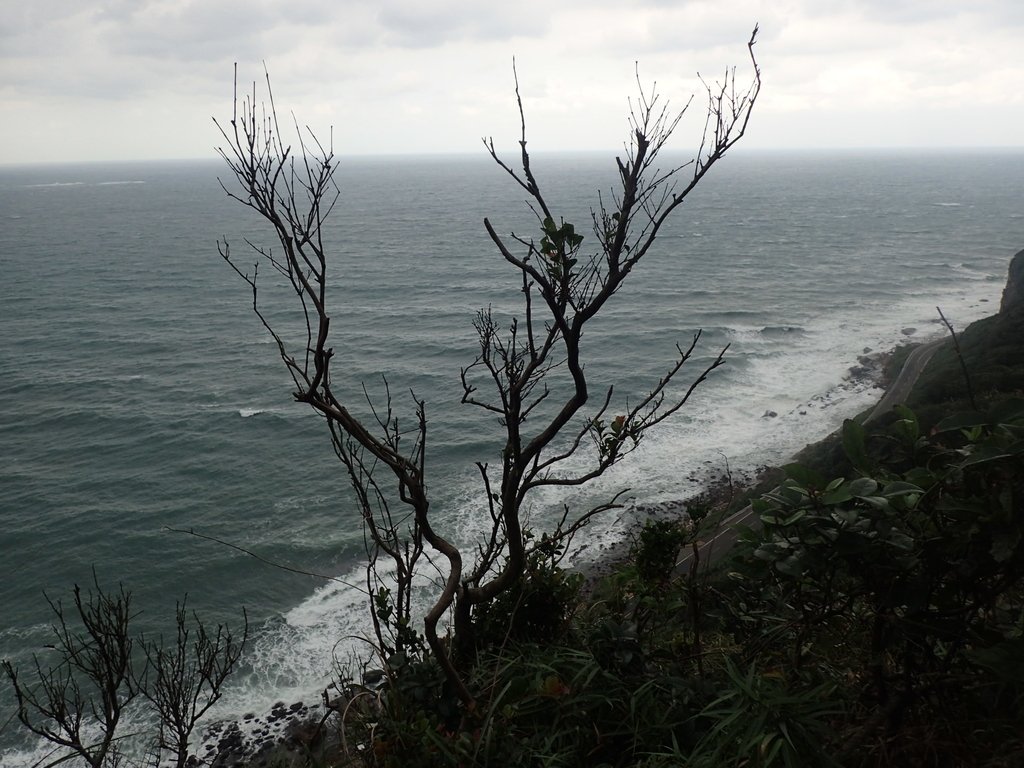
column 295, row 730
column 300, row 728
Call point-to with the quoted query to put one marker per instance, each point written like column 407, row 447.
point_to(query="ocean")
column 139, row 393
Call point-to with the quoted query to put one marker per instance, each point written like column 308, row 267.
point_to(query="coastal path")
column 716, row 546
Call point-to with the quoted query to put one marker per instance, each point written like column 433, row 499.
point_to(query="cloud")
column 409, row 75
column 200, row 30
column 409, row 24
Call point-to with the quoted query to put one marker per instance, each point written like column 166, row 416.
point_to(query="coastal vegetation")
column 98, row 668
column 873, row 617
column 529, row 379
column 873, row 614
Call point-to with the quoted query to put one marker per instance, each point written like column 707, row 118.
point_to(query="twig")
column 262, row 559
column 960, row 357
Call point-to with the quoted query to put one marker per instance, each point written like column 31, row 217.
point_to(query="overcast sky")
column 140, row 79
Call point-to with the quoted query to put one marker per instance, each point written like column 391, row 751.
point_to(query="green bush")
column 657, row 548
column 918, row 561
column 758, row 721
column 538, row 606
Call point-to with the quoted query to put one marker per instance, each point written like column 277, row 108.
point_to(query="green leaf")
column 837, row 495
column 901, row 541
column 920, row 476
column 878, row 502
column 798, row 515
column 789, row 494
column 900, row 488
column 791, row 566
column 959, row 421
column 854, row 437
column 905, row 413
column 907, row 427
column 983, row 455
column 863, row 486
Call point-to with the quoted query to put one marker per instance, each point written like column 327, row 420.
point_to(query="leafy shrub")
column 919, row 557
column 757, row 721
column 538, row 606
column 657, row 548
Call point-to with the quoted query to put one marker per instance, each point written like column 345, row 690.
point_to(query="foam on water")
column 248, row 413
column 810, row 390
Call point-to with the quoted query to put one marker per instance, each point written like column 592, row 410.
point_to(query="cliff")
column 993, row 352
column 1013, row 294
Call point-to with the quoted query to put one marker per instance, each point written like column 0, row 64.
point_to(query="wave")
column 781, row 331
column 248, row 413
column 275, row 412
column 739, row 313
column 294, row 656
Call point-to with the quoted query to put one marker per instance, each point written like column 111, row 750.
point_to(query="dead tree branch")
column 548, row 439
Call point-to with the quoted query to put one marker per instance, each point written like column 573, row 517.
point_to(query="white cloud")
column 141, row 78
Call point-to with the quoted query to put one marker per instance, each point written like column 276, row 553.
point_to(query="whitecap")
column 783, row 330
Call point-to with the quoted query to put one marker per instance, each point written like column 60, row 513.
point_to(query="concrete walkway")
column 899, row 390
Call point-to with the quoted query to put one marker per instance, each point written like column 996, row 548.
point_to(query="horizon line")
column 441, row 154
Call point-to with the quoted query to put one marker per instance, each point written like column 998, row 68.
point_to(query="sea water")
column 141, row 397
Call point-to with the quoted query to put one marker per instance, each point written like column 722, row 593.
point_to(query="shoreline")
column 262, row 740
column 720, row 488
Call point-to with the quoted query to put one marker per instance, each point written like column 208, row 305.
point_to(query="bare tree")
column 78, row 700
column 563, row 285
column 185, row 677
column 90, row 685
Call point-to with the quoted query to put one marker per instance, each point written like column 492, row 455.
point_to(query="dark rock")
column 909, row 331
column 280, row 737
column 1013, row 293
column 769, row 415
